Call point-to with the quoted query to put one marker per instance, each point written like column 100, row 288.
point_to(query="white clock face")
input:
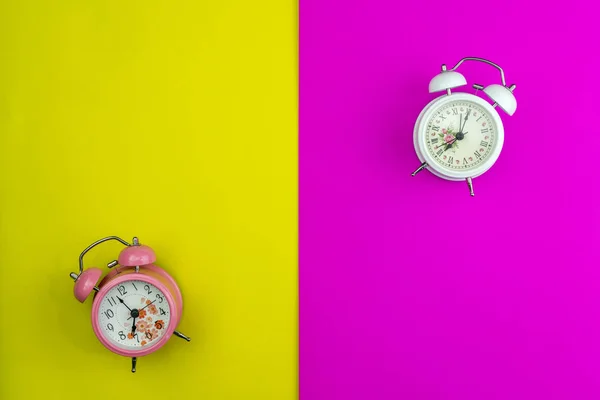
column 460, row 135
column 134, row 315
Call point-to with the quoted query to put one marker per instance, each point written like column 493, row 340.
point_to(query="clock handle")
column 483, row 60
column 133, row 364
column 96, row 243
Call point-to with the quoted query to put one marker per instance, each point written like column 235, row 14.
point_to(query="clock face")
column 460, row 135
column 134, row 315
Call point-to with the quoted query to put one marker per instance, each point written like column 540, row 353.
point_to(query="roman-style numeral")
column 111, row 301
column 442, row 116
column 440, row 151
column 464, row 161
column 484, row 130
column 477, row 154
column 483, row 144
column 477, row 120
column 450, row 160
column 435, row 128
column 434, row 140
column 455, row 111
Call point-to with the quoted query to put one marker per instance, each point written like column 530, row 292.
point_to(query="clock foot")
column 181, row 335
column 133, row 363
column 421, row 168
column 470, row 184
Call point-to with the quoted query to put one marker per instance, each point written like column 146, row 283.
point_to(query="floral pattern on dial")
column 134, row 314
column 449, row 137
column 147, row 326
column 460, row 135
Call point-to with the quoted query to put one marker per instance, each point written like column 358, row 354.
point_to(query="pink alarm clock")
column 137, row 305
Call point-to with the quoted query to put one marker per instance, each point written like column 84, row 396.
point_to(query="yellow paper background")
column 174, row 121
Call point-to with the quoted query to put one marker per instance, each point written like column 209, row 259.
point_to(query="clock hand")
column 464, row 123
column 122, row 302
column 448, row 145
column 146, row 305
column 133, row 327
column 140, row 309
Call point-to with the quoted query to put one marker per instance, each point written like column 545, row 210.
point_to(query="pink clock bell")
column 137, row 305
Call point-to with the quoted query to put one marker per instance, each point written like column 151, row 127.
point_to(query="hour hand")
column 122, row 302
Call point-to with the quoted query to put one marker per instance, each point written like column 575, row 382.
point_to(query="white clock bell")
column 459, row 136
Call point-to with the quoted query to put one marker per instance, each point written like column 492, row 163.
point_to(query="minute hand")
column 448, row 145
column 146, row 305
column 465, row 121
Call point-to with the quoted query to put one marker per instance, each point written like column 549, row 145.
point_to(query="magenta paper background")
column 411, row 289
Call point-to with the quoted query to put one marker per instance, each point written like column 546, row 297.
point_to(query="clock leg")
column 133, row 363
column 181, row 335
column 470, row 184
column 421, row 168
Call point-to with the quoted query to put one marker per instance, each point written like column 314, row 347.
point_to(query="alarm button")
column 86, row 282
column 134, row 256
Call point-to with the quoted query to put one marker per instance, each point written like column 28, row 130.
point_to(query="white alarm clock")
column 459, row 136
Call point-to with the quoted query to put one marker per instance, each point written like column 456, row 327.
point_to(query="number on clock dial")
column 477, row 126
column 115, row 319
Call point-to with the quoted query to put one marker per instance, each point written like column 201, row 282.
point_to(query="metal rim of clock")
column 435, row 167
column 501, row 95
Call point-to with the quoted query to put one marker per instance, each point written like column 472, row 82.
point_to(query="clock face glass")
column 134, row 315
column 460, row 135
